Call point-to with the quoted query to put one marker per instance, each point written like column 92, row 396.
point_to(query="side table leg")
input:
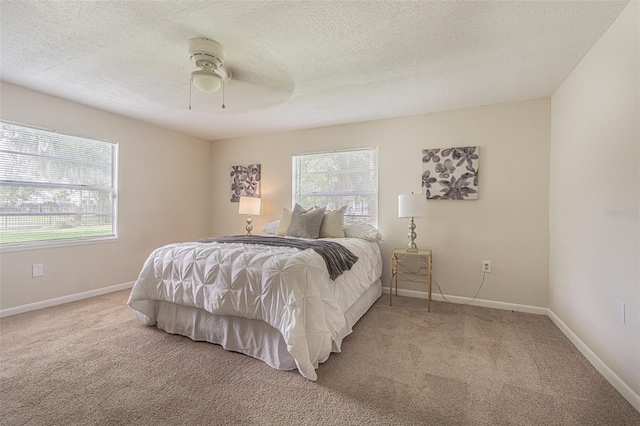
column 430, row 283
column 391, row 274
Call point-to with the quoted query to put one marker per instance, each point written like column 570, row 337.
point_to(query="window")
column 336, row 179
column 55, row 187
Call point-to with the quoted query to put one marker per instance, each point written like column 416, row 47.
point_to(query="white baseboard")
column 613, row 378
column 64, row 299
column 478, row 302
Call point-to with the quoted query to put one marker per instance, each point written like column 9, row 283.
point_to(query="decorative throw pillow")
column 333, row 223
column 363, row 231
column 271, row 227
column 305, row 223
column 285, row 221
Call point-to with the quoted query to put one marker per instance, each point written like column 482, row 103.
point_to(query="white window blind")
column 55, row 187
column 336, row 179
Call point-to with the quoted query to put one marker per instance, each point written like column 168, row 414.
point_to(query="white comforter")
column 287, row 288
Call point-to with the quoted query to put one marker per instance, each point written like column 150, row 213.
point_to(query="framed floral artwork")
column 450, row 173
column 245, row 182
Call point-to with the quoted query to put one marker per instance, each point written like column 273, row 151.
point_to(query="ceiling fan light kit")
column 206, row 81
column 208, row 56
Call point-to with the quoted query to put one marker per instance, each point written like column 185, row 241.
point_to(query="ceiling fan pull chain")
column 223, row 107
column 190, row 84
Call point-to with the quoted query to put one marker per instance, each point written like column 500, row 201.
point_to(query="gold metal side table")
column 411, row 266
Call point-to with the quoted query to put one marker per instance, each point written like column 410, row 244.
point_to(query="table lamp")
column 412, row 205
column 251, row 207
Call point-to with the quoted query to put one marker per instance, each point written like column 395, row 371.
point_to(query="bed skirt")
column 249, row 336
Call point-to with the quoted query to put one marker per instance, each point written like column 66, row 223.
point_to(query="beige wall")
column 164, row 196
column 594, row 199
column 507, row 225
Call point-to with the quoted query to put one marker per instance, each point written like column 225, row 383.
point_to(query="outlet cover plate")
column 37, row 270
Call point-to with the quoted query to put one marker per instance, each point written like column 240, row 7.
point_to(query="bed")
column 277, row 304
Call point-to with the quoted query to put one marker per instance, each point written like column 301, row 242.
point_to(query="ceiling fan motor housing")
column 206, row 53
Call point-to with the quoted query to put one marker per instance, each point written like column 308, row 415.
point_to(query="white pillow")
column 363, row 231
column 333, row 223
column 285, row 221
column 271, row 227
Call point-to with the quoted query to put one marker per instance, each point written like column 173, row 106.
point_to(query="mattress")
column 243, row 295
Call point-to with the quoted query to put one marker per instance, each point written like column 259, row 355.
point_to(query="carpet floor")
column 90, row 362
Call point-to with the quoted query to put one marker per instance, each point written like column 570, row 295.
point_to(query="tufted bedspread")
column 287, row 288
column 336, row 256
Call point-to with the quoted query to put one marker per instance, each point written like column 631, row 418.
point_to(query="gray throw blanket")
column 336, row 256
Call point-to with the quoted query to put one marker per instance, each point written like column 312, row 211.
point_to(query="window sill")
column 41, row 245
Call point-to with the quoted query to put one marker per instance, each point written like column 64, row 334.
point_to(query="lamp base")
column 249, row 226
column 412, row 247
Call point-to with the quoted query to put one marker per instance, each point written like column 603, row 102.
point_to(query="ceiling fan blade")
column 270, row 83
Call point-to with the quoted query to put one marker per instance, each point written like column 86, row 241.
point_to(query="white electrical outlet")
column 37, row 270
column 486, row 266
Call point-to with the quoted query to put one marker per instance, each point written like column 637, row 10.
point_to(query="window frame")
column 348, row 217
column 65, row 241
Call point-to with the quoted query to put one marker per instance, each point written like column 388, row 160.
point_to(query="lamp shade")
column 250, row 206
column 412, row 205
column 206, row 81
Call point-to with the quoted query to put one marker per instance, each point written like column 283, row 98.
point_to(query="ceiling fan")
column 270, row 84
column 209, row 56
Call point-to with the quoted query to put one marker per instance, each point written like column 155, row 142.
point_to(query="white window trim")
column 58, row 243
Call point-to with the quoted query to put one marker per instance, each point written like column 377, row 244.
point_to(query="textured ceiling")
column 296, row 64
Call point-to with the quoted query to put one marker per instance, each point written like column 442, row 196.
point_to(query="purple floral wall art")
column 245, row 182
column 450, row 173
